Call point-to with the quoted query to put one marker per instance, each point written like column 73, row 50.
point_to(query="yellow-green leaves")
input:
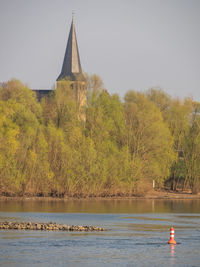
column 45, row 150
column 148, row 138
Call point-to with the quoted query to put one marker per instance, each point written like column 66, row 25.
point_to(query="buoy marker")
column 172, row 240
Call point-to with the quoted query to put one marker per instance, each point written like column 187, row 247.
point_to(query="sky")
column 130, row 44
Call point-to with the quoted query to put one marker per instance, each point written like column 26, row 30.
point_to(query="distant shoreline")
column 162, row 195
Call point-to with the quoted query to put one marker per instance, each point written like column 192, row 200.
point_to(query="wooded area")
column 121, row 148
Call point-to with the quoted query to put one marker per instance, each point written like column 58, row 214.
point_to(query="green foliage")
column 191, row 148
column 46, row 150
column 148, row 138
column 8, row 146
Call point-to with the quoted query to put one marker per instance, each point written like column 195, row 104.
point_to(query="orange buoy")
column 172, row 241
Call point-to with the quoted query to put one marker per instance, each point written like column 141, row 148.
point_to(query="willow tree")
column 9, row 144
column 105, row 126
column 177, row 115
column 191, row 150
column 148, row 138
column 30, row 158
column 178, row 118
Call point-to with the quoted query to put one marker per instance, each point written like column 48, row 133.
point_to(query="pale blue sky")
column 131, row 44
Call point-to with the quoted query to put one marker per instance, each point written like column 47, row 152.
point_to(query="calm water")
column 137, row 235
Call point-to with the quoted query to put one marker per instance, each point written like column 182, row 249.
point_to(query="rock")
column 38, row 226
column 47, row 226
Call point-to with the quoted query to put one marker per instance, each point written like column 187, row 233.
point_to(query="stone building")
column 71, row 71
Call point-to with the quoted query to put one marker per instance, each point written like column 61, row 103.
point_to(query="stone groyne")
column 47, row 227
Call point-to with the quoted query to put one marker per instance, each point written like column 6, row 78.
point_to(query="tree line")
column 123, row 145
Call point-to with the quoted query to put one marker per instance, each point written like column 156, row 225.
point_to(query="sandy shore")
column 167, row 194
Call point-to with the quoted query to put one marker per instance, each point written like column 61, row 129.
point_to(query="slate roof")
column 71, row 64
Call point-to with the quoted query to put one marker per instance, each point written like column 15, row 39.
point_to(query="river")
column 137, row 233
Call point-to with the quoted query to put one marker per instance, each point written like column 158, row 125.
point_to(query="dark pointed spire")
column 71, row 63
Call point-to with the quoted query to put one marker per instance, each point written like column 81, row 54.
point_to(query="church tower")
column 72, row 71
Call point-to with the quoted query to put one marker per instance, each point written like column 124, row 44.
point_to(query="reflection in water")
column 102, row 206
column 172, row 252
column 153, row 205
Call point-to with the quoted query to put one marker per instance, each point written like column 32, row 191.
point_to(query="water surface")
column 137, row 235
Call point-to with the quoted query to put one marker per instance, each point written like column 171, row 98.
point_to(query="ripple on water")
column 153, row 227
column 134, row 237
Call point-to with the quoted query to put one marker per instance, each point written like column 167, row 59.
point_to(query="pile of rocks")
column 47, row 226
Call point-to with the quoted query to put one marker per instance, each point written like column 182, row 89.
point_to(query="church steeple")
column 71, row 64
column 71, row 69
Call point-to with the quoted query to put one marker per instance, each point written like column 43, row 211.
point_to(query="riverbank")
column 154, row 194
